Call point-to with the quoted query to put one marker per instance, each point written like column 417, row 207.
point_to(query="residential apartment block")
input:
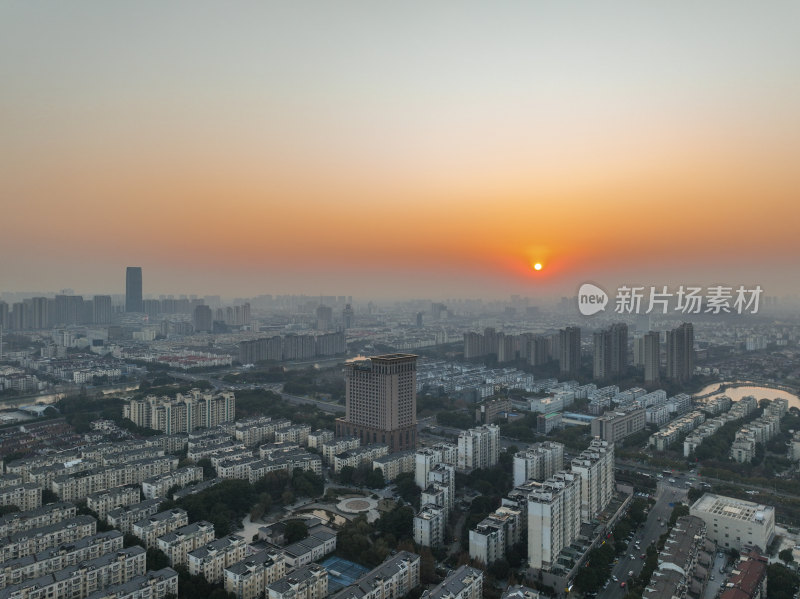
column 211, row 559
column 177, row 544
column 103, row 502
column 184, row 413
column 393, row 579
column 539, row 462
column 250, row 577
column 159, row 524
column 479, row 447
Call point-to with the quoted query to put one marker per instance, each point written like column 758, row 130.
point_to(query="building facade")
column 381, row 401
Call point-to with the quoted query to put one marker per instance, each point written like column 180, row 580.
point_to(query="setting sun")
column 537, row 266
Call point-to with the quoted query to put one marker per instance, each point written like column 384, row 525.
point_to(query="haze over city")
column 413, row 150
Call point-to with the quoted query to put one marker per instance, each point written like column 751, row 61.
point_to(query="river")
column 759, row 392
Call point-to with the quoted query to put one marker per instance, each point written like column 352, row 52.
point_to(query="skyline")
column 406, row 151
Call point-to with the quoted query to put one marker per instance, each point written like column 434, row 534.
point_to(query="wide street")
column 667, row 495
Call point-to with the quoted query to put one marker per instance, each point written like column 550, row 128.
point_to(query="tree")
column 296, row 530
column 499, row 569
column 346, row 475
column 786, row 556
column 209, row 471
column 375, row 480
column 781, row 582
column 156, row 559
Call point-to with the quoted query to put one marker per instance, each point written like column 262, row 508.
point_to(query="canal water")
column 737, row 393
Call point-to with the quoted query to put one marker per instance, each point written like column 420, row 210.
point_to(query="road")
column 667, row 493
column 645, row 469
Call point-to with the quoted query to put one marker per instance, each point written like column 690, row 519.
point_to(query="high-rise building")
column 680, row 353
column 102, row 309
column 652, row 357
column 539, row 462
column 611, row 352
column 479, row 447
column 554, row 518
column 569, row 350
column 381, row 401
column 324, row 317
column 638, row 352
column 596, row 468
column 348, row 317
column 133, row 289
column 203, row 318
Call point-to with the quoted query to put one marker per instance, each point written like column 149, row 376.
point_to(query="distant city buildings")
column 133, row 289
column 680, row 353
column 291, row 347
column 611, row 352
column 569, row 355
column 652, row 357
column 184, row 413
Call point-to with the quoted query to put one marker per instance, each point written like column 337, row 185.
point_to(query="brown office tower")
column 381, row 401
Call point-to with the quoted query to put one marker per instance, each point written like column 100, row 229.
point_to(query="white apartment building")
column 103, row 502
column 34, row 540
column 493, row 535
column 211, row 559
column 465, row 583
column 57, row 558
column 41, row 516
column 429, row 525
column 539, row 462
column 157, row 486
column 308, row 582
column 393, row 579
column 155, row 584
column 157, row 525
column 250, row 577
column 318, row 438
column 26, row 496
column 554, row 518
column 124, row 517
column 394, row 464
column 479, row 447
column 177, row 544
column 339, row 445
column 595, row 467
column 427, row 457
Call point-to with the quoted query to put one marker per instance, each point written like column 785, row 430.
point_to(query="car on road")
column 672, row 480
column 615, row 579
column 630, row 573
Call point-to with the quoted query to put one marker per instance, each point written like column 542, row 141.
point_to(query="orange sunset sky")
column 410, row 149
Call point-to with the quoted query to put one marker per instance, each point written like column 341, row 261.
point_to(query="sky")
column 408, row 149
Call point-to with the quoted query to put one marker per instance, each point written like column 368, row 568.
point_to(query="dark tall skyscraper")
column 611, row 352
column 680, row 353
column 203, row 318
column 133, row 289
column 652, row 357
column 569, row 355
